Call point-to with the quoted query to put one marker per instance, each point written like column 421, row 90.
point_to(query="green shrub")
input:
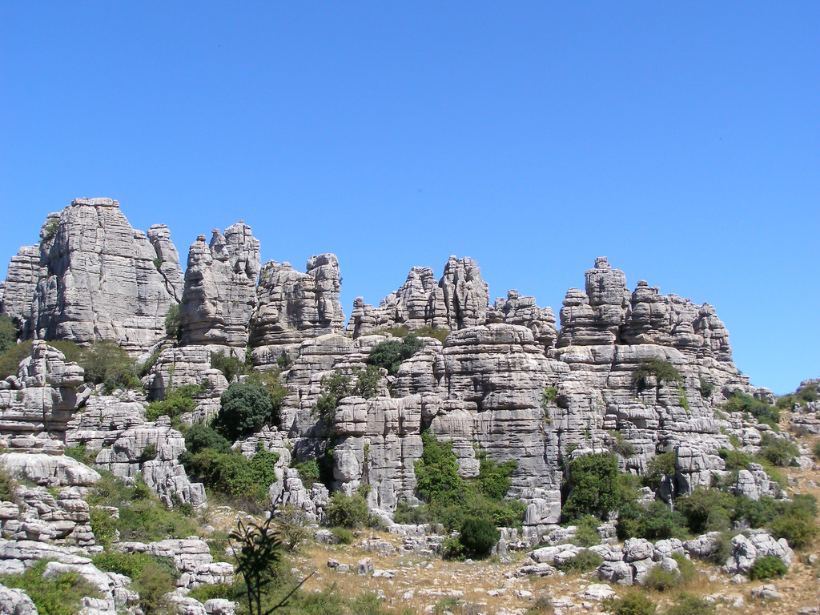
column 452, row 548
column 203, row 593
column 763, row 412
column 633, row 603
column 293, row 525
column 587, row 531
column 548, row 397
column 271, row 381
column 8, row 333
column 149, row 453
column 683, row 401
column 406, row 513
column 585, row 560
column 348, row 511
column 7, row 486
column 660, row 466
column 437, row 478
column 173, row 322
column 658, row 521
column 661, row 580
column 57, row 595
column 493, row 477
column 106, row 363
column 767, row 567
column 245, row 408
column 687, row 569
column 232, row 474
column 621, row 445
column 142, row 516
column 478, row 536
column 803, row 395
column 367, row 381
column 596, row 487
column 145, row 367
column 439, row 333
column 10, row 359
column 229, row 365
column 200, row 436
column 663, row 371
column 308, row 472
column 152, row 577
column 688, row 604
column 735, row 459
column 391, row 353
column 778, row 451
column 177, row 401
column 335, row 386
column 49, row 229
column 343, row 535
column 283, row 361
column 703, row 503
column 799, row 529
column 706, row 388
column 541, row 606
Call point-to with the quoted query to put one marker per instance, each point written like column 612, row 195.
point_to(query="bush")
column 272, row 383
column 735, row 459
column 493, row 477
column 621, row 445
column 763, row 412
column 406, row 513
column 587, row 531
column 706, row 388
column 348, row 511
column 173, row 322
column 658, row 521
column 58, row 595
column 10, row 359
column 391, row 353
column 661, row 580
column 703, row 504
column 596, row 487
column 152, row 577
column 548, row 397
column 142, row 516
column 584, row 561
column 293, row 526
column 229, row 365
column 335, row 386
column 367, row 381
column 688, row 604
column 659, row 467
column 452, row 548
column 439, row 333
column 542, row 606
column 245, row 408
column 200, row 436
column 232, row 474
column 437, row 478
column 8, row 333
column 686, row 568
column 779, row 451
column 146, row 366
column 803, row 395
column 106, row 363
column 633, row 603
column 49, row 229
column 177, row 402
column 663, row 371
column 478, row 536
column 343, row 535
column 308, row 472
column 7, row 486
column 799, row 529
column 767, row 567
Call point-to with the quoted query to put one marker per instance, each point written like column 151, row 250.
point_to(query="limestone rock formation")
column 96, row 279
column 44, row 395
column 460, row 299
column 294, row 306
column 220, row 288
column 24, row 271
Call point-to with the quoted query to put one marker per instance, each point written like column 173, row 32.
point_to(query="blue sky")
column 681, row 141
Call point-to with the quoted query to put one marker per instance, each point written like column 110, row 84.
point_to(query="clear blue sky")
column 682, row 142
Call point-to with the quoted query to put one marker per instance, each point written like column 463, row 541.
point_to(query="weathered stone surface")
column 294, row 306
column 518, row 310
column 15, row 602
column 220, row 288
column 748, row 549
column 38, row 514
column 44, row 395
column 460, row 299
column 167, row 259
column 190, row 556
column 102, row 420
column 24, row 272
column 48, row 470
column 100, row 280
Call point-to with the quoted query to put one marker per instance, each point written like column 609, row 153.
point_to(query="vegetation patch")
column 390, row 354
column 178, row 401
column 767, row 567
column 633, row 603
column 596, row 487
column 152, row 577
column 57, row 595
column 245, row 407
column 662, row 371
column 763, row 412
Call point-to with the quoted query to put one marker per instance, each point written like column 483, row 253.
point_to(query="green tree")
column 596, row 487
column 245, row 408
column 391, row 354
column 8, row 333
column 478, row 535
column 173, row 322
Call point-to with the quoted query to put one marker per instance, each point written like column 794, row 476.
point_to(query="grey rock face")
column 99, row 280
column 294, row 306
column 190, row 556
column 748, row 549
column 62, row 517
column 44, row 395
column 167, row 259
column 460, row 299
column 24, row 272
column 48, row 470
column 220, row 288
column 518, row 310
column 15, row 602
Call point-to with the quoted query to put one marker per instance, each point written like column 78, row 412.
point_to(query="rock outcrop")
column 294, row 306
column 97, row 278
column 220, row 288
